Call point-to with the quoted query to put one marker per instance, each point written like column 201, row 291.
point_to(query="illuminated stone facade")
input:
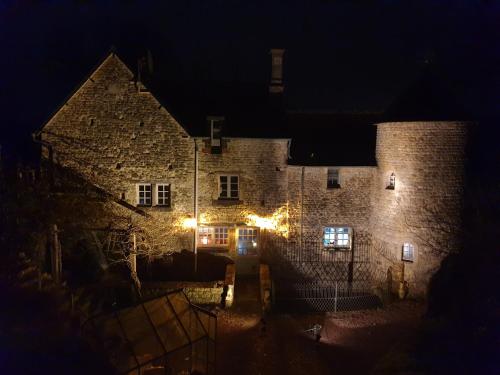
column 424, row 208
column 116, row 135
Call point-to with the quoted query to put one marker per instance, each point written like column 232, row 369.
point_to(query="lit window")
column 408, row 252
column 228, row 187
column 204, row 236
column 247, row 241
column 221, row 235
column 163, row 195
column 333, row 178
column 337, row 237
column 213, row 236
column 144, row 194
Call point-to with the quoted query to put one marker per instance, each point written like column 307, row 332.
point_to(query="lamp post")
column 195, row 245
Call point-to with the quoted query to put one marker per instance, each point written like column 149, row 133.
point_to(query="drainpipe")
column 195, row 245
column 302, row 177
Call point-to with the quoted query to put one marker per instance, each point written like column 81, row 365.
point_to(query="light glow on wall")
column 277, row 222
column 186, row 223
column 189, row 223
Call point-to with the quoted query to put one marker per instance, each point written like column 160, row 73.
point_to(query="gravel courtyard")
column 361, row 342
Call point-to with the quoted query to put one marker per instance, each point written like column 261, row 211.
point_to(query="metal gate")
column 309, row 277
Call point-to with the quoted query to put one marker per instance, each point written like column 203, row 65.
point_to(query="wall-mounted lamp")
column 392, row 181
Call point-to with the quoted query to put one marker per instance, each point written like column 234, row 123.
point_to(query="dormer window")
column 215, row 123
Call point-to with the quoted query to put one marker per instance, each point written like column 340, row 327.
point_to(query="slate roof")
column 248, row 110
column 335, row 139
column 320, row 134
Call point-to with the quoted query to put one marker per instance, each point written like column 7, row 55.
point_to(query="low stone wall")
column 229, row 282
column 198, row 292
column 265, row 287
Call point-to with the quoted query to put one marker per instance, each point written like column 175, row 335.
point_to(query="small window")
column 163, row 195
column 337, row 237
column 144, row 194
column 228, row 187
column 392, row 182
column 408, row 252
column 333, row 181
column 247, row 241
column 213, row 236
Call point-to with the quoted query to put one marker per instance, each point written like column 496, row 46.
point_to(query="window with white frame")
column 333, row 180
column 228, row 187
column 163, row 195
column 247, row 241
column 213, row 236
column 408, row 252
column 337, row 237
column 144, row 194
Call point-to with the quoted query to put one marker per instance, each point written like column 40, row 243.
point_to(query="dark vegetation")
column 180, row 267
column 39, row 336
column 40, row 327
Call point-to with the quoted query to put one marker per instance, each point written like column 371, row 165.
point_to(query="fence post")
column 56, row 255
column 336, row 294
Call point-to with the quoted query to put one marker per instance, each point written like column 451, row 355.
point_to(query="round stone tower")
column 417, row 200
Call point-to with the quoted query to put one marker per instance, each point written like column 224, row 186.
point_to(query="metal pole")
column 195, row 244
column 302, row 208
column 56, row 256
column 336, row 295
column 133, row 255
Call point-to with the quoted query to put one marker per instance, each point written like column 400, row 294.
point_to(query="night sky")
column 361, row 53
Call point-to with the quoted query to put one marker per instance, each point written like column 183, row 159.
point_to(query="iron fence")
column 308, row 276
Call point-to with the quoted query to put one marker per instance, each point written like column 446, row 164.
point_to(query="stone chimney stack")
column 276, row 86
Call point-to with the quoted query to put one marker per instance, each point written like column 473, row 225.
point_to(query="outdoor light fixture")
column 392, row 181
column 254, row 244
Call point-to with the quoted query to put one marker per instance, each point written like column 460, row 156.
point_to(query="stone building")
column 235, row 180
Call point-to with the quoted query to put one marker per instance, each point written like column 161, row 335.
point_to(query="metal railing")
column 308, row 276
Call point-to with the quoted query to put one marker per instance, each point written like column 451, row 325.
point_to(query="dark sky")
column 362, row 52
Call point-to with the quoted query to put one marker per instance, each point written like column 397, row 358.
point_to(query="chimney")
column 276, row 86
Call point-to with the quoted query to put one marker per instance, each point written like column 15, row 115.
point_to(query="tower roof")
column 430, row 97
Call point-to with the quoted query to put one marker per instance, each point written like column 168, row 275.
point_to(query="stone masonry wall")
column 260, row 165
column 319, row 206
column 424, row 209
column 115, row 137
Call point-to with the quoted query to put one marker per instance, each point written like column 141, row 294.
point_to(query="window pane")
column 336, row 237
column 144, row 194
column 221, row 235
